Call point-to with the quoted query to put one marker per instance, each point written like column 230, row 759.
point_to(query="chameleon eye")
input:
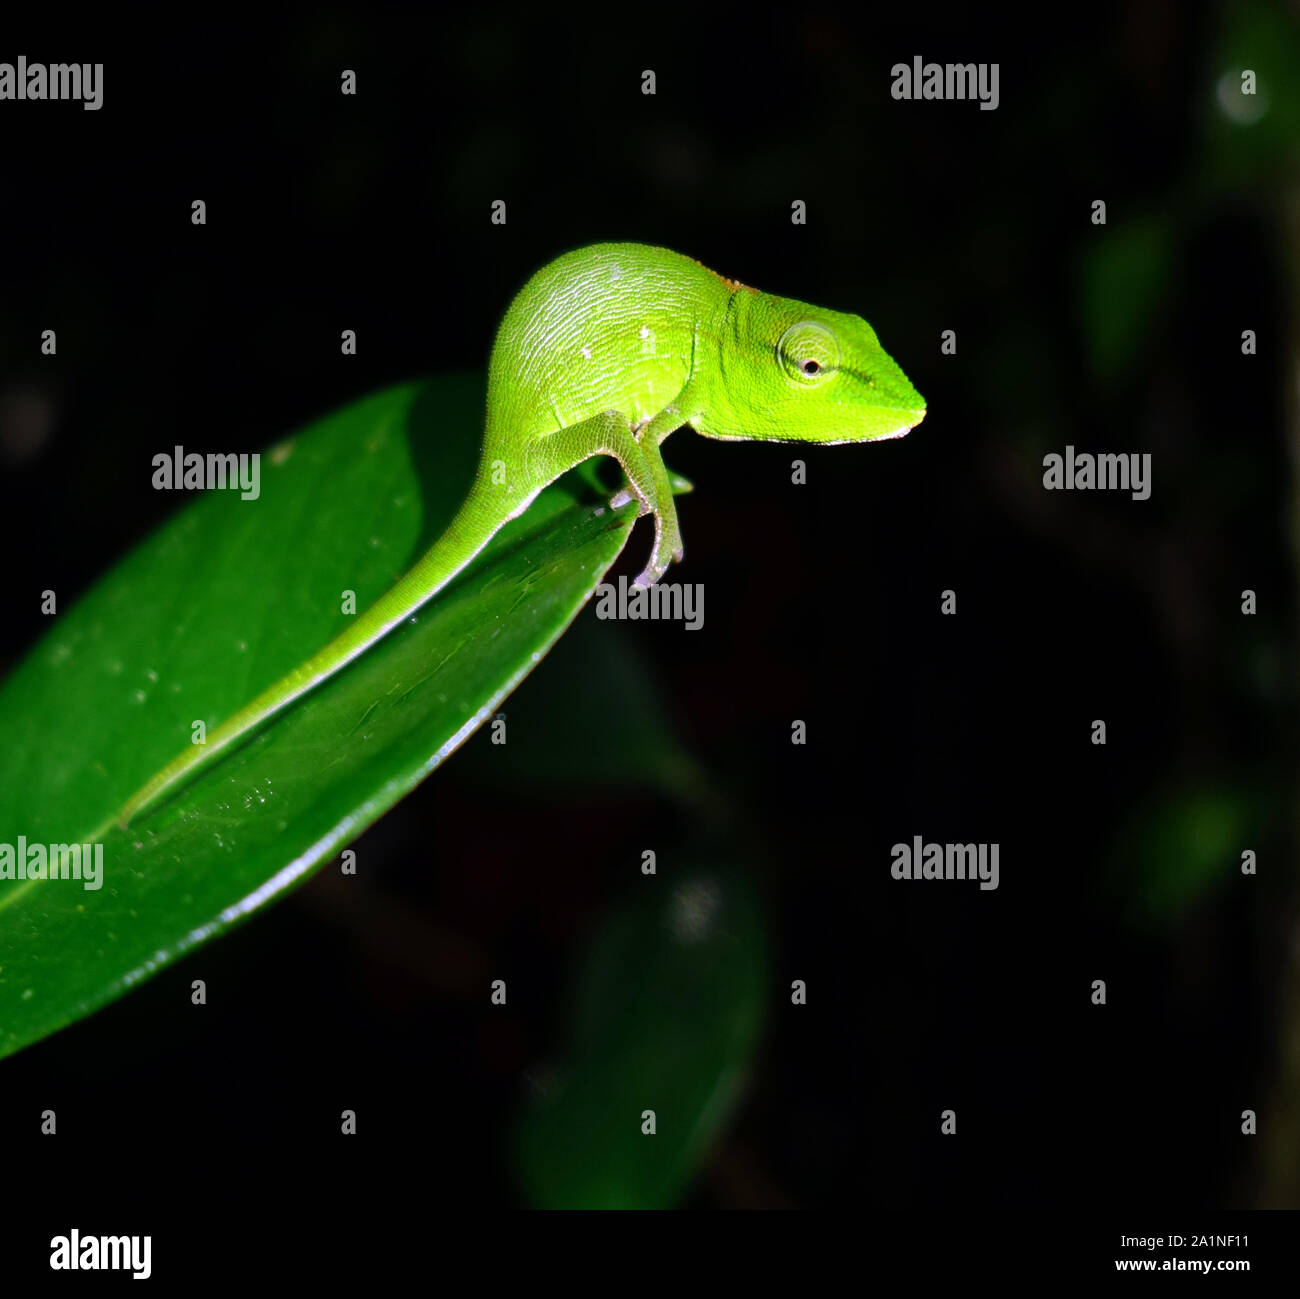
column 808, row 352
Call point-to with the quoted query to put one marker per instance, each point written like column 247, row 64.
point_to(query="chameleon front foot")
column 649, row 575
column 668, row 549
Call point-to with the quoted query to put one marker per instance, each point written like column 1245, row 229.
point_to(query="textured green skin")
column 605, row 351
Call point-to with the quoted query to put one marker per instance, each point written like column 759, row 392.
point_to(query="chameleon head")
column 805, row 374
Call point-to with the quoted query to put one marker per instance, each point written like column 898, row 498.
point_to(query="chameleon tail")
column 471, row 530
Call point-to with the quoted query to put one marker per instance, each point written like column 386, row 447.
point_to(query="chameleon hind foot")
column 626, row 495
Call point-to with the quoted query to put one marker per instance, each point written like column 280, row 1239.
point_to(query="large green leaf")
column 217, row 605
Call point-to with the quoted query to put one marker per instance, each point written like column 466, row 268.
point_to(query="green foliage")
column 216, row 605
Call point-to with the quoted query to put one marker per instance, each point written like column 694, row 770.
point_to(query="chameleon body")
column 606, row 351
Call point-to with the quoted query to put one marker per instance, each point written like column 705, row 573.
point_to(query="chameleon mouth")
column 913, row 418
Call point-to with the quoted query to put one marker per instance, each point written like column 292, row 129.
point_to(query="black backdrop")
column 373, row 213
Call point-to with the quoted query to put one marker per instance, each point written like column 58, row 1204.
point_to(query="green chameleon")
column 606, row 351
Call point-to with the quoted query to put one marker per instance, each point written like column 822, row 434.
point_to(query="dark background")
column 372, row 213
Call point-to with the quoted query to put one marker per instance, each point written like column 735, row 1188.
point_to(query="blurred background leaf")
column 1179, row 846
column 1125, row 279
column 665, row 1017
column 629, row 741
